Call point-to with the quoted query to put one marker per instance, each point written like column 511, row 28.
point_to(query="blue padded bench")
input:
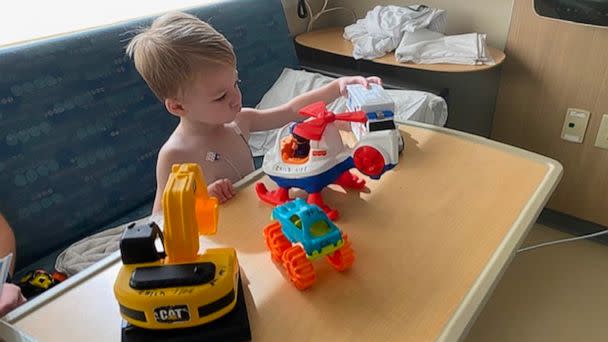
column 80, row 130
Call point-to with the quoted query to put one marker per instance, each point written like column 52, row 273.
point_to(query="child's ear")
column 175, row 107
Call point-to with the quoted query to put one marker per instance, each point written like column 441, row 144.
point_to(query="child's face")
column 214, row 97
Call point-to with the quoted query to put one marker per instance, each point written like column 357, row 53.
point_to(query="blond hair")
column 169, row 53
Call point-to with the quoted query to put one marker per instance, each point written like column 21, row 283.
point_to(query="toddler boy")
column 191, row 68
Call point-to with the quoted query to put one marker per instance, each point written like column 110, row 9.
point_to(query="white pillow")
column 409, row 104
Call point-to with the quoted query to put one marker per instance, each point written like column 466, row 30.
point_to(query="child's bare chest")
column 224, row 155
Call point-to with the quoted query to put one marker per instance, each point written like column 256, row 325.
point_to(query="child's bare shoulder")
column 175, row 150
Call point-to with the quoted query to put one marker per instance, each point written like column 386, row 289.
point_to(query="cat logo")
column 172, row 314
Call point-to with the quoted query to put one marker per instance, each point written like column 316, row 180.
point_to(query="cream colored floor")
column 555, row 293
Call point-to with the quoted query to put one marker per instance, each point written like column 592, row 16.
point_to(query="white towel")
column 421, row 35
column 430, row 48
column 382, row 28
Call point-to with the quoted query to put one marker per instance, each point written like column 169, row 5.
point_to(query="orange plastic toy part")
column 293, row 257
column 188, row 212
column 300, row 269
column 276, row 242
column 343, row 258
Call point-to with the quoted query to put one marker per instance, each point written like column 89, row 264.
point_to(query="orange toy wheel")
column 343, row 258
column 276, row 242
column 300, row 269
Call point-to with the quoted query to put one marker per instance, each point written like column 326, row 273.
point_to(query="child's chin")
column 230, row 118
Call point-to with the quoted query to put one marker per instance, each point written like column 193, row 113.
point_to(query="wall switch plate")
column 575, row 125
column 601, row 140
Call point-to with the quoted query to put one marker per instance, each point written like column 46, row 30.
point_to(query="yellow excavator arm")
column 188, row 211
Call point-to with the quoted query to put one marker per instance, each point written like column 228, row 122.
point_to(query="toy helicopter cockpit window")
column 302, row 147
column 295, row 149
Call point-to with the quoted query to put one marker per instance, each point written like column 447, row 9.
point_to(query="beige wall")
column 296, row 25
column 484, row 16
column 552, row 66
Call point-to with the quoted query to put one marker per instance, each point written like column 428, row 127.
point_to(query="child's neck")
column 190, row 127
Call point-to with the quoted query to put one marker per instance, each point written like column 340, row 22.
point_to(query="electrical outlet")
column 601, row 140
column 575, row 125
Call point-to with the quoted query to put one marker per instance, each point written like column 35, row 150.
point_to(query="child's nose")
column 235, row 99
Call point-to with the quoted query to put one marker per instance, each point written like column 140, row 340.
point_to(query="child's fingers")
column 225, row 189
column 363, row 81
column 22, row 299
column 216, row 192
column 374, row 79
column 343, row 91
column 232, row 189
column 219, row 196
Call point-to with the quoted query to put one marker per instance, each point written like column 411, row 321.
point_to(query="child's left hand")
column 344, row 81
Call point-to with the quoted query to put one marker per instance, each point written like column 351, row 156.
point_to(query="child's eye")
column 221, row 98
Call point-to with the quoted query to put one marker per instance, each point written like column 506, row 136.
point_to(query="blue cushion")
column 80, row 130
column 47, row 262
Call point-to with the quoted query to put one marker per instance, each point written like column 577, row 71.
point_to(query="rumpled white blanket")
column 89, row 250
column 382, row 28
column 409, row 104
column 429, row 47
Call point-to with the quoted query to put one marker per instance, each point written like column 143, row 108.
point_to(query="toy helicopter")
column 179, row 291
column 311, row 155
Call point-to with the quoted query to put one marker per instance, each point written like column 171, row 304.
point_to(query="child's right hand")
column 364, row 81
column 222, row 189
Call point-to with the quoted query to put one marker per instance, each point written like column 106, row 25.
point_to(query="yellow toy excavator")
column 180, row 288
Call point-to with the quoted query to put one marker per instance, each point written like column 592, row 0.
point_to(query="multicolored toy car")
column 301, row 233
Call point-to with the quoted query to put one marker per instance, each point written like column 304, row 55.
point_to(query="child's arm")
column 167, row 156
column 252, row 120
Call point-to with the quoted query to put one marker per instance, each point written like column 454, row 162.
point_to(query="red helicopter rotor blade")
column 358, row 116
column 316, row 110
column 311, row 129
